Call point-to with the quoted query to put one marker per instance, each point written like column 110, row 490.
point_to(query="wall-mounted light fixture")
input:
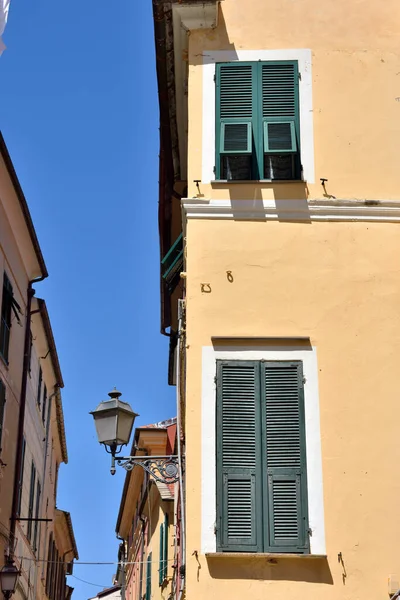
column 114, row 421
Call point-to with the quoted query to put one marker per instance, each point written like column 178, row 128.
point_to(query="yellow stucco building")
column 36, row 536
column 279, row 216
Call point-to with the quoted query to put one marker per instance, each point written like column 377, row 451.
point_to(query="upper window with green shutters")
column 257, row 124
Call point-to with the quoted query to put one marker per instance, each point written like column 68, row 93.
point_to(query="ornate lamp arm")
column 161, row 468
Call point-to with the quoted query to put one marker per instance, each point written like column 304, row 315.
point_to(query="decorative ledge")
column 226, row 182
column 271, row 557
column 293, row 210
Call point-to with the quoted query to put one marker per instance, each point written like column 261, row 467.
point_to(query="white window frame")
column 210, row 355
column 303, row 57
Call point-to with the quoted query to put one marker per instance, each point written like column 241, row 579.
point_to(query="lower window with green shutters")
column 261, row 457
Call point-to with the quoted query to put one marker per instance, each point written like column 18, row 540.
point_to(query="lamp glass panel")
column 106, row 427
column 125, row 424
column 8, row 580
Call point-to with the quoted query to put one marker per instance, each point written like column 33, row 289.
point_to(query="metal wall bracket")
column 164, row 469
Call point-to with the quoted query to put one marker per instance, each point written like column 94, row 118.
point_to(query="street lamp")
column 114, row 421
column 8, row 578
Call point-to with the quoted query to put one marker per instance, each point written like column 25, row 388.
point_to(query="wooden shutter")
column 37, row 514
column 2, row 406
column 148, row 577
column 161, row 562
column 165, row 566
column 39, row 390
column 44, row 403
column 235, row 117
column 21, row 481
column 281, row 119
column 286, row 528
column 239, row 509
column 5, row 324
column 31, row 499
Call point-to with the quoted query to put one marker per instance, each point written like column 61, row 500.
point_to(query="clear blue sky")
column 79, row 113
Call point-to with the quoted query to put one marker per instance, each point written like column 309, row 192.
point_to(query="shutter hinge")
column 215, row 379
column 299, row 76
column 304, row 380
column 309, row 531
column 214, row 169
column 215, row 79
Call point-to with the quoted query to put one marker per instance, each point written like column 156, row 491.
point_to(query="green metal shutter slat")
column 285, row 457
column 279, row 90
column 238, row 452
column 236, row 93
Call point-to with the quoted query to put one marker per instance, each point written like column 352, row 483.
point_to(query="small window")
column 258, row 125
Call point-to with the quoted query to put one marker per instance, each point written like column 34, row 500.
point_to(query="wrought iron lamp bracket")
column 163, row 469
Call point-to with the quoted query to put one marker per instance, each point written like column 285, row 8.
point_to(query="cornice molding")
column 293, row 210
column 197, row 15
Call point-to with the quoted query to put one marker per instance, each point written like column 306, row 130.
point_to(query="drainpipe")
column 21, row 418
column 182, row 567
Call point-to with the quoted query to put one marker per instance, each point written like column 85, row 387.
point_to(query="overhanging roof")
column 23, row 205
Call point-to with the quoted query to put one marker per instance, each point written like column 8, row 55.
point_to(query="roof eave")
column 23, row 205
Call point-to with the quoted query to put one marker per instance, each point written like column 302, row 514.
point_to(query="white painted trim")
column 303, row 56
column 292, row 210
column 210, row 355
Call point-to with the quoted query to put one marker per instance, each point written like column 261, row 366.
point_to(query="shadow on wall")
column 290, row 200
column 217, row 39
column 310, row 570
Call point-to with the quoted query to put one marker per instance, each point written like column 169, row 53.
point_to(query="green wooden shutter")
column 148, row 577
column 31, row 499
column 165, row 569
column 44, row 404
column 2, row 406
column 286, row 529
column 281, row 119
column 37, row 514
column 161, row 562
column 236, row 87
column 239, row 508
column 39, row 390
column 21, row 481
column 5, row 324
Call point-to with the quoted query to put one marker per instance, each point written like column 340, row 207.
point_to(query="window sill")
column 253, row 181
column 268, row 556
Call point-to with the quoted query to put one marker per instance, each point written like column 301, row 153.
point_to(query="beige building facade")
column 147, row 522
column 33, row 442
column 279, row 136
